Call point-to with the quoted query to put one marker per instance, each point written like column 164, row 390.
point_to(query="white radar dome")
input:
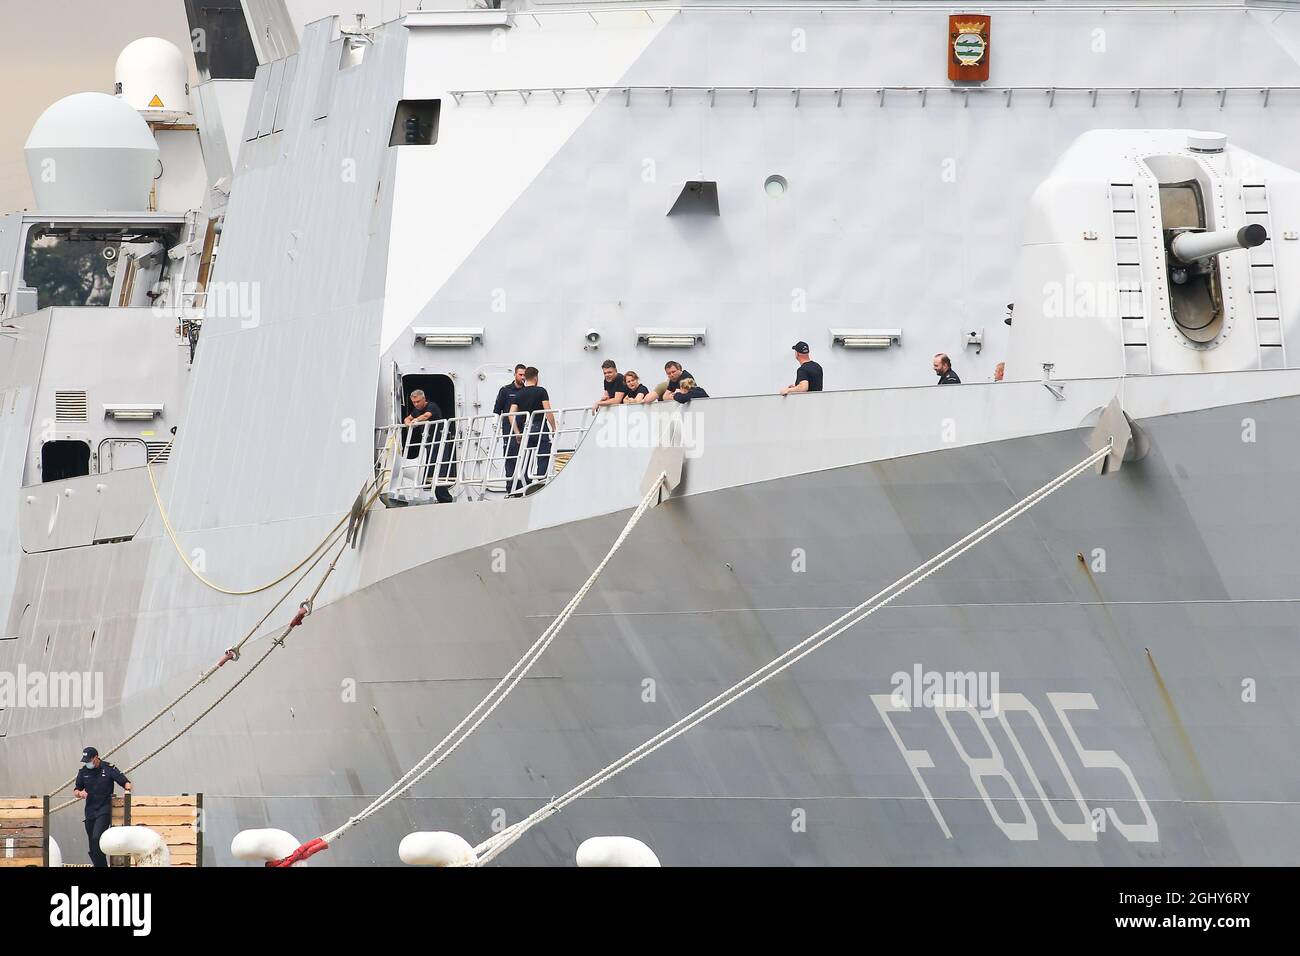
column 91, row 152
column 152, row 76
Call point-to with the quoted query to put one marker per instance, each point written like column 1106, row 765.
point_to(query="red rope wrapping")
column 230, row 655
column 310, row 848
column 302, row 613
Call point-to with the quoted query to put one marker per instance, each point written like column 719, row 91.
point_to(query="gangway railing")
column 478, row 457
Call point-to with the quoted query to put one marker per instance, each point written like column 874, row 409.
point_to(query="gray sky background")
column 50, row 48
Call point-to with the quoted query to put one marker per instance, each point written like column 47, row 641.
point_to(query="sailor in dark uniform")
column 437, row 450
column 94, row 784
column 505, row 398
column 532, row 406
column 809, row 376
column 943, row 368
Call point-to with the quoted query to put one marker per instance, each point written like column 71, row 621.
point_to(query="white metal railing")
column 480, row 456
column 664, row 94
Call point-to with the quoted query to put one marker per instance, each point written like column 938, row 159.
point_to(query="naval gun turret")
column 1195, row 284
column 1157, row 251
column 1191, row 247
column 1192, row 254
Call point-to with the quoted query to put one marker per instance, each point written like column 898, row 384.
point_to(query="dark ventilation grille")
column 158, row 451
column 70, row 406
column 697, row 198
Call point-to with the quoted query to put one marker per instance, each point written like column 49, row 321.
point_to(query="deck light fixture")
column 133, row 412
column 436, row 338
column 866, row 338
column 670, row 338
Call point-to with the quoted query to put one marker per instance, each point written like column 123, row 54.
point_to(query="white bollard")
column 264, row 845
column 56, row 855
column 146, row 847
column 435, row 848
column 615, row 851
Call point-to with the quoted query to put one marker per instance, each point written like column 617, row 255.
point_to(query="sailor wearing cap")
column 809, row 376
column 94, row 784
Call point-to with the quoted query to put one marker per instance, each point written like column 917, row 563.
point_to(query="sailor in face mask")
column 94, row 784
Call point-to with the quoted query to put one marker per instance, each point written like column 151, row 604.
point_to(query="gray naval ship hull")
column 1167, row 592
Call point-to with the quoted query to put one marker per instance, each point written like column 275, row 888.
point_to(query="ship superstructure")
column 215, row 320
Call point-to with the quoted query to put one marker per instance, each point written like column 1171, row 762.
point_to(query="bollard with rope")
column 304, row 852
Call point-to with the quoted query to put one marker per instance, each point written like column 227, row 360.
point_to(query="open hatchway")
column 439, row 390
column 62, row 459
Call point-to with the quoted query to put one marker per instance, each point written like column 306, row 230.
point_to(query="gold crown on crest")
column 969, row 26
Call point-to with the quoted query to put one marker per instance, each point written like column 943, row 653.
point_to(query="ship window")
column 775, row 185
column 79, row 265
column 415, row 123
column 64, row 459
column 354, row 52
column 65, row 271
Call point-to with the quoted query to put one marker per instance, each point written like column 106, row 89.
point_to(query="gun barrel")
column 1190, row 246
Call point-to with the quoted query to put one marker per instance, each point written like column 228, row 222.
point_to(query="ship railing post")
column 396, row 453
column 426, row 450
column 422, row 456
column 540, row 423
column 492, row 448
column 441, row 446
column 499, row 445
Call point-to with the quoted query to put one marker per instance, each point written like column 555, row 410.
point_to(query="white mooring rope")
column 372, row 488
column 492, row 847
column 458, row 734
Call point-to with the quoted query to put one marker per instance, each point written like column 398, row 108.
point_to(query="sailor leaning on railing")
column 423, row 410
column 522, row 444
column 626, row 389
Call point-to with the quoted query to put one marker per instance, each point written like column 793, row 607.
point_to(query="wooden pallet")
column 22, row 832
column 178, row 820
